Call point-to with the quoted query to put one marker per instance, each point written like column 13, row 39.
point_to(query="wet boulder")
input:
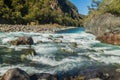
column 26, row 52
column 59, row 37
column 57, row 40
column 39, row 42
column 22, row 41
column 67, row 50
column 74, row 44
column 15, row 74
column 50, row 37
column 43, row 76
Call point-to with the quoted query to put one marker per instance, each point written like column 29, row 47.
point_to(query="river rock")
column 22, row 41
column 43, row 76
column 67, row 50
column 95, row 79
column 80, row 78
column 59, row 37
column 69, row 78
column 74, row 44
column 50, row 37
column 57, row 41
column 26, row 52
column 39, row 42
column 15, row 74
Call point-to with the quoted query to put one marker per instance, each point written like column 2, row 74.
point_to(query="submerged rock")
column 74, row 44
column 15, row 74
column 39, row 42
column 57, row 41
column 22, row 41
column 11, row 56
column 67, row 50
column 60, row 36
column 27, row 52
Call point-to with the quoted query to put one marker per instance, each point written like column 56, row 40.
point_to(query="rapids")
column 51, row 56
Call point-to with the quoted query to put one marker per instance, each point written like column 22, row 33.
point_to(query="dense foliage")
column 62, row 12
column 111, row 6
column 103, row 6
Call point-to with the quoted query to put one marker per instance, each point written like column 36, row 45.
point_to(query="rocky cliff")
column 104, row 22
column 106, row 27
column 62, row 12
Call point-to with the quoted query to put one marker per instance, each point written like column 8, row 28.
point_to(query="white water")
column 50, row 58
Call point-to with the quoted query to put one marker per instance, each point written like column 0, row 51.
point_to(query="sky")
column 82, row 5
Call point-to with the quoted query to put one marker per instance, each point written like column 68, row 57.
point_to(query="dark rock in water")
column 43, row 76
column 11, row 56
column 15, row 74
column 68, row 78
column 39, row 42
column 74, row 44
column 30, row 51
column 59, row 37
column 50, row 37
column 26, row 52
column 22, row 41
column 106, row 27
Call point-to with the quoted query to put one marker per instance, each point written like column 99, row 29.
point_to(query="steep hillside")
column 104, row 22
column 62, row 12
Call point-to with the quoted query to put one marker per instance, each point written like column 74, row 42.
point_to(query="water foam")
column 85, row 54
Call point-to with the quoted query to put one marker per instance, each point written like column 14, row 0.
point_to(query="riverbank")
column 101, row 73
column 47, row 28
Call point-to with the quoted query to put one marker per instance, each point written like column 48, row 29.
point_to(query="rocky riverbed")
column 47, row 28
column 103, row 73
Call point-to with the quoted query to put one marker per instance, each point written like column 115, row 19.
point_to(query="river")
column 78, row 50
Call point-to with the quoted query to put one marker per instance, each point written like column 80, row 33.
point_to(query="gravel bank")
column 48, row 28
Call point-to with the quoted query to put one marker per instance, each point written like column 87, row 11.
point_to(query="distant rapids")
column 56, row 57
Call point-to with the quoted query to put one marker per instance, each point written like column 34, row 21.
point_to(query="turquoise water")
column 72, row 30
column 76, row 50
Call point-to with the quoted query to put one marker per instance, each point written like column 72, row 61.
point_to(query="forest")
column 61, row 12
